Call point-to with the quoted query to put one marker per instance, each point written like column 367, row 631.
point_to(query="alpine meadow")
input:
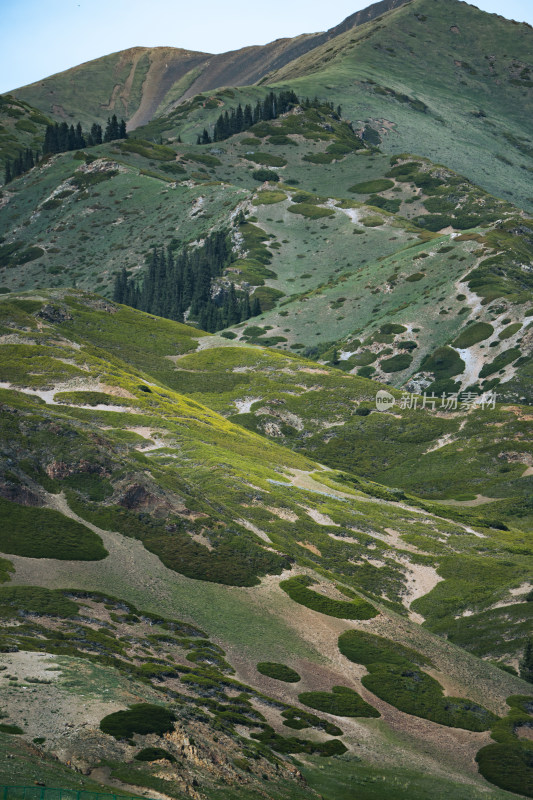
column 266, row 392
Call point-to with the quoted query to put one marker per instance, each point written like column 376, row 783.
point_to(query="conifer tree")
column 526, row 662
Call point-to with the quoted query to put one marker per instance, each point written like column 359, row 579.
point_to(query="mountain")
column 265, row 436
column 435, row 77
column 191, row 562
column 143, row 82
column 390, row 267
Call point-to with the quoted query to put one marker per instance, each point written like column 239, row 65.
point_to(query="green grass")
column 45, row 533
column 297, row 589
column 267, row 198
column 278, row 671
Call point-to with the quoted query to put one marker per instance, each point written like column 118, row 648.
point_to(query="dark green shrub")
column 444, row 363
column 154, row 754
column 477, row 332
column 319, row 158
column 391, row 327
column 396, row 363
column 341, row 701
column 367, row 648
column 82, row 180
column 141, row 718
column 500, row 362
column 509, row 331
column 266, row 158
column 263, row 175
column 12, row 729
column 45, row 533
column 371, row 187
column 508, row 766
column 36, row 600
column 278, row 671
column 311, row 211
column 297, row 589
column 415, row 692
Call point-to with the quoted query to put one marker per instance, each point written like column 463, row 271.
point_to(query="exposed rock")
column 20, row 494
column 55, row 314
column 140, row 494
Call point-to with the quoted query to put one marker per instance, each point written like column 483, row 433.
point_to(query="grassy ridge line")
column 437, row 56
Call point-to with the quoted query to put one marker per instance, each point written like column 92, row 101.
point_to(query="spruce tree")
column 526, row 662
column 8, row 176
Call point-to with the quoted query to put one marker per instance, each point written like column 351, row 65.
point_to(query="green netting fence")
column 45, row 793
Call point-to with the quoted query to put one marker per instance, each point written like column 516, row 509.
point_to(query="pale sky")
column 41, row 37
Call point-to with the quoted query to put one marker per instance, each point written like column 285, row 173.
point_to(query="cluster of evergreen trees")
column 22, row 163
column 240, row 119
column 60, row 137
column 176, row 282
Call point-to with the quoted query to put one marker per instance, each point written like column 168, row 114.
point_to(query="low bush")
column 444, row 363
column 45, row 533
column 509, row 331
column 396, row 363
column 82, row 180
column 508, row 766
column 477, row 332
column 140, row 718
column 341, row 701
column 500, row 362
column 319, row 158
column 367, row 648
column 154, row 754
column 298, row 720
column 278, row 671
column 395, row 676
column 392, row 327
column 35, row 600
column 297, row 589
column 311, row 211
column 263, row 175
column 12, row 729
column 372, row 187
column 372, row 221
column 266, row 158
column 290, row 744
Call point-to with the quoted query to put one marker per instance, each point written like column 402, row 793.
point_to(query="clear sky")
column 41, row 37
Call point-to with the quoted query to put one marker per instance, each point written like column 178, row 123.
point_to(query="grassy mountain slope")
column 442, row 79
column 371, row 263
column 140, row 83
column 21, row 127
column 201, row 519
